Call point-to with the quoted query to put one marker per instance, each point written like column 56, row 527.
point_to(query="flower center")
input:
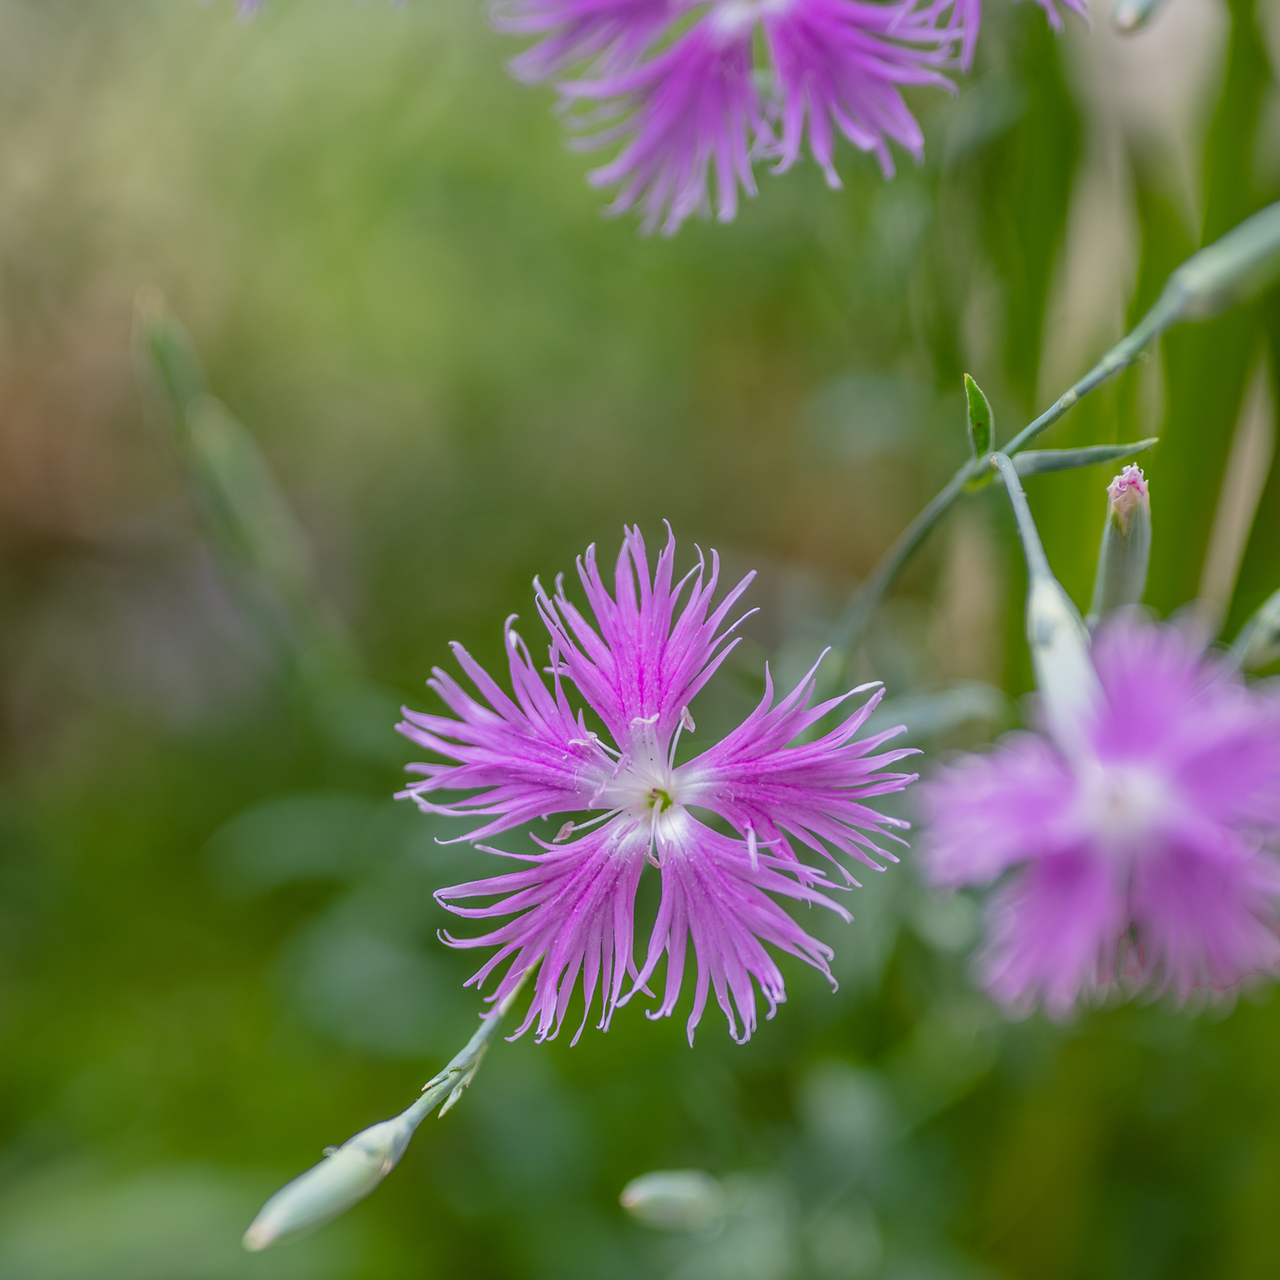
column 733, row 19
column 645, row 781
column 660, row 799
column 1123, row 803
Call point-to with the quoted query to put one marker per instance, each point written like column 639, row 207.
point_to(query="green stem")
column 1033, row 548
column 1120, row 357
column 354, row 1170
column 866, row 600
column 464, row 1065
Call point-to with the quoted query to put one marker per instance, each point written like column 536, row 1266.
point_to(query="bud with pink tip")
column 1126, row 545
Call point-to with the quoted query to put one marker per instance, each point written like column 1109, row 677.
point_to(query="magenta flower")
column 637, row 669
column 675, row 83
column 615, row 31
column 1142, row 855
column 695, row 107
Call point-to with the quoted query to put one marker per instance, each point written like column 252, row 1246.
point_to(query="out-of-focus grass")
column 217, row 946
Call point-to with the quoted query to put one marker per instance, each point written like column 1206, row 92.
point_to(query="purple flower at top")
column 614, row 31
column 636, row 670
column 1146, row 853
column 675, row 83
column 696, row 108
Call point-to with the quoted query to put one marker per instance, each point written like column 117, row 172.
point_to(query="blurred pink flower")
column 638, row 668
column 1142, row 855
column 675, row 82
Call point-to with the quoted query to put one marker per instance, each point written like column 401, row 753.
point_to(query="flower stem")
column 866, row 599
column 349, row 1173
column 1033, row 548
column 864, row 602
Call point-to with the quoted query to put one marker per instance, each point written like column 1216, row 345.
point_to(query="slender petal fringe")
column 637, row 663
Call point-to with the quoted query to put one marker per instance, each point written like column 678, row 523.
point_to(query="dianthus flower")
column 637, row 670
column 676, row 81
column 1138, row 853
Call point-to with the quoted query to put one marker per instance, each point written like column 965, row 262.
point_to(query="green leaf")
column 1036, row 462
column 165, row 358
column 980, row 426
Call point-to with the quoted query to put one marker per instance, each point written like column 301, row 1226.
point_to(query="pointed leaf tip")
column 980, row 424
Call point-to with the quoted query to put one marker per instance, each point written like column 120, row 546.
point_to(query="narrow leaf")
column 1038, row 461
column 980, row 425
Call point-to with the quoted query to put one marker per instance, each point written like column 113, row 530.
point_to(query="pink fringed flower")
column 676, row 84
column 637, row 667
column 1142, row 854
column 694, row 107
column 841, row 64
column 614, row 31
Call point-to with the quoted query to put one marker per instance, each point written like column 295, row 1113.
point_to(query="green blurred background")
column 217, row 941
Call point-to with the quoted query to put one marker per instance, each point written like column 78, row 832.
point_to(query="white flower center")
column 731, row 19
column 1123, row 804
column 645, row 779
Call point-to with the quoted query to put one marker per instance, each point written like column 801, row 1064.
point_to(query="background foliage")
column 217, row 945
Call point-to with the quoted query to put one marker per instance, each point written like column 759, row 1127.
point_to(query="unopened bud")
column 1060, row 653
column 1128, row 492
column 1233, row 269
column 1126, row 545
column 675, row 1200
column 1130, row 15
column 331, row 1187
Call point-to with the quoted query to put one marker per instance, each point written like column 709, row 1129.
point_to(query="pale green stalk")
column 1233, row 269
column 354, row 1170
column 1058, row 639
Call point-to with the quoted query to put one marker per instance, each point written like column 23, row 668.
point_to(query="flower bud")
column 1057, row 637
column 1126, row 545
column 1234, row 268
column 331, row 1187
column 1060, row 653
column 1128, row 493
column 675, row 1200
column 1128, row 16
